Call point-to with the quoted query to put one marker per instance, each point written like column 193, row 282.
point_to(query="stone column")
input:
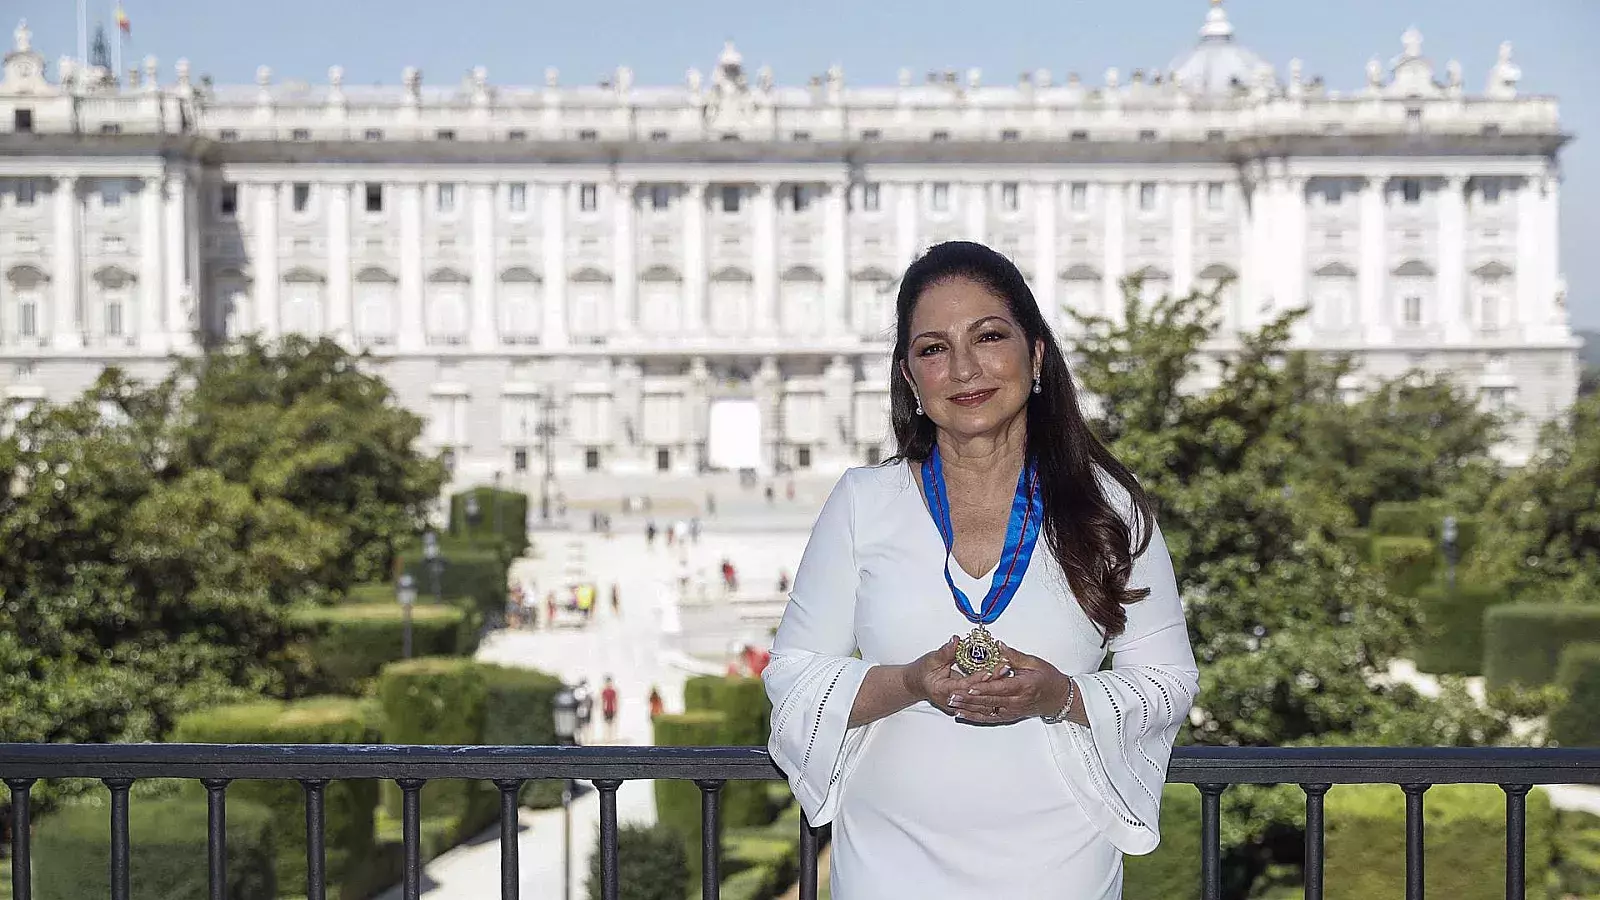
column 1453, row 260
column 553, row 201
column 485, row 279
column 1114, row 263
column 625, row 275
column 264, row 314
column 765, row 258
column 907, row 243
column 1373, row 275
column 977, row 210
column 410, row 333
column 65, row 333
column 1046, row 203
column 695, row 258
column 1183, row 203
column 1549, row 316
column 1291, row 224
column 152, row 276
column 341, row 311
column 836, row 252
column 178, row 287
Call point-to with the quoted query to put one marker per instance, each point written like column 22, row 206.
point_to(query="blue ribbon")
column 1022, row 534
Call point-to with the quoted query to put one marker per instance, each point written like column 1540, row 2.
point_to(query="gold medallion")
column 977, row 652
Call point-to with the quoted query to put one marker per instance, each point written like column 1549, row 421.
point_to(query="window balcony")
column 1211, row 769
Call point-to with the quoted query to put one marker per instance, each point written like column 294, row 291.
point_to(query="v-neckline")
column 922, row 497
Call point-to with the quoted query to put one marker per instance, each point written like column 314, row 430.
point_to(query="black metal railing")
column 1212, row 770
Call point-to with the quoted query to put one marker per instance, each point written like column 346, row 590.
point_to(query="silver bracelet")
column 1072, row 694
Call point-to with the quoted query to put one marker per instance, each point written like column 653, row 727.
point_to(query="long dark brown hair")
column 1094, row 545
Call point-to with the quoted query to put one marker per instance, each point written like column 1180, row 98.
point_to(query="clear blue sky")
column 872, row 39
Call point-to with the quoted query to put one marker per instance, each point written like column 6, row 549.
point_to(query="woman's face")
column 968, row 360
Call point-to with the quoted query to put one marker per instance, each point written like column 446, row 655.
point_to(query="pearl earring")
column 919, row 406
column 1036, row 387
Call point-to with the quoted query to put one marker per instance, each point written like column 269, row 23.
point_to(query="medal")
column 979, row 650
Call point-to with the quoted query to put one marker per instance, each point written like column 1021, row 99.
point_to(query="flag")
column 122, row 21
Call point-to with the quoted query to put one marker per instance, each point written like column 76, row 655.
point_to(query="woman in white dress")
column 958, row 761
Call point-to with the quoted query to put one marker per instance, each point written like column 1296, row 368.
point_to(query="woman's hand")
column 931, row 678
column 1034, row 688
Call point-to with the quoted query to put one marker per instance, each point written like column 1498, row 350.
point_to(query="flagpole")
column 116, row 48
column 83, row 32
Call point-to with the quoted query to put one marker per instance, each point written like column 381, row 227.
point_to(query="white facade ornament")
column 835, row 82
column 1504, row 77
column 624, row 79
column 1453, row 75
column 263, row 76
column 22, row 38
column 1041, row 78
column 974, row 78
column 1297, row 84
column 552, row 77
column 1113, row 78
column 1412, row 42
column 336, row 77
column 764, row 79
column 1375, row 78
column 695, row 81
column 152, row 72
column 905, row 77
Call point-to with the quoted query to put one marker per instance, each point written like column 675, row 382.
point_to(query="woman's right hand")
column 931, row 677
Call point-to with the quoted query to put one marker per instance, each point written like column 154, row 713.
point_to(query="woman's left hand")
column 1034, row 688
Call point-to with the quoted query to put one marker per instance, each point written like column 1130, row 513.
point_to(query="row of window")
column 868, row 135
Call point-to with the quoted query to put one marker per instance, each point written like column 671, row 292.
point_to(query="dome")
column 1218, row 65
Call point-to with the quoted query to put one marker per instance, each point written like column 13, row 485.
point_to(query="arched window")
column 800, row 309
column 376, row 303
column 26, row 313
column 521, row 306
column 589, row 306
column 872, row 304
column 1334, row 297
column 112, row 319
column 447, row 307
column 303, row 299
column 1492, row 284
column 660, row 301
column 732, row 302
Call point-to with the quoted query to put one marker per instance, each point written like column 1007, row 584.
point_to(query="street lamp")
column 406, row 592
column 497, row 531
column 566, row 722
column 433, row 562
column 1452, row 551
column 474, row 512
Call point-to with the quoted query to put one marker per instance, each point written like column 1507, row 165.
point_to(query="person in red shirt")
column 608, row 709
column 657, row 705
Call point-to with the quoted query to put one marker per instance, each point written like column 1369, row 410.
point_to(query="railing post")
column 119, row 836
column 411, row 835
column 1314, row 839
column 1516, row 839
column 809, row 849
column 510, row 878
column 1211, row 840
column 216, row 836
column 316, row 837
column 1414, row 842
column 710, row 838
column 609, row 876
column 21, row 834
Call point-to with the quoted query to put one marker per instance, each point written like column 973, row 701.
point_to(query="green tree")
column 651, row 865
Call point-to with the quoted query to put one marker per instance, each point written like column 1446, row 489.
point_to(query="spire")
column 1217, row 26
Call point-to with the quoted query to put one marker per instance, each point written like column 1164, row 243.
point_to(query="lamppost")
column 546, row 432
column 497, row 523
column 433, row 562
column 566, row 722
column 1451, row 552
column 474, row 512
column 406, row 592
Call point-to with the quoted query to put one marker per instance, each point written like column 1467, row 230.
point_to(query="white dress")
column 924, row 806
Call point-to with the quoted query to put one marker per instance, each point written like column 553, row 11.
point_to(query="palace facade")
column 589, row 278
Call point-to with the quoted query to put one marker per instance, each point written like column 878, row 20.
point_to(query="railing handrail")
column 1193, row 765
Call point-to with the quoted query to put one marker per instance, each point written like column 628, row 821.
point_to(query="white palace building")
column 625, row 279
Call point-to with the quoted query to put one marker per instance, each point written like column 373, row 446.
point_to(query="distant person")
column 550, row 609
column 788, row 491
column 770, row 495
column 657, row 707
column 650, row 533
column 694, row 529
column 585, row 699
column 608, row 709
column 783, row 581
column 711, row 504
column 616, row 600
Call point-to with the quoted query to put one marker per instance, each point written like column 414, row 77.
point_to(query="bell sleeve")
column 813, row 676
column 1117, row 765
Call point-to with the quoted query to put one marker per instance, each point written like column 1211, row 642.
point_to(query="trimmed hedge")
column 1577, row 722
column 1397, row 519
column 349, row 804
column 349, row 644
column 1577, row 853
column 519, row 711
column 1466, row 828
column 650, row 862
column 1406, row 563
column 1454, row 627
column 1172, row 871
column 1522, row 642
column 677, row 801
column 513, row 518
column 748, row 714
column 473, row 572
column 72, row 851
column 439, row 700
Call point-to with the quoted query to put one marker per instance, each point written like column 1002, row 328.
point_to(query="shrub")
column 349, row 644
column 1406, row 563
column 1466, row 839
column 1172, row 871
column 348, row 804
column 439, row 701
column 677, row 801
column 650, row 864
column 1577, row 853
column 1418, row 520
column 513, row 518
column 1577, row 722
column 167, row 860
column 757, row 864
column 474, row 573
column 1522, row 642
column 1454, row 621
column 519, row 711
column 748, row 712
